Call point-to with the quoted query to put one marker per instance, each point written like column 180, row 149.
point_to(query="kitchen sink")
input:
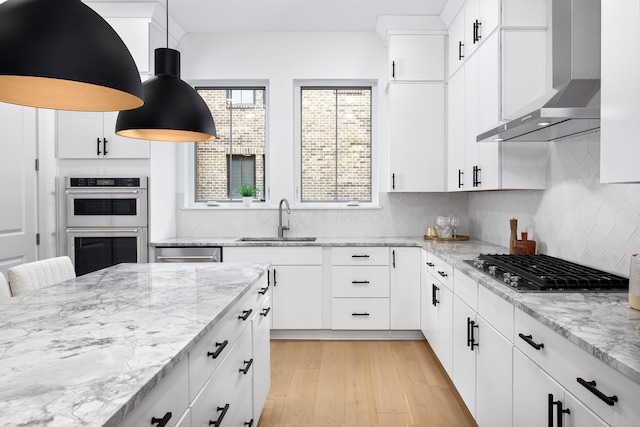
column 277, row 239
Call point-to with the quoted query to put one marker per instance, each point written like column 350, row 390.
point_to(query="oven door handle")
column 103, row 230
column 103, row 191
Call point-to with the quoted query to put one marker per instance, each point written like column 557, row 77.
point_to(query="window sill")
column 266, row 206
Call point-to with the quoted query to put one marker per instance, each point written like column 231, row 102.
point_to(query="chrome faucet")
column 282, row 228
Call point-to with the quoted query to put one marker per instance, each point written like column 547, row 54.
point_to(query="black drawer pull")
column 217, row 422
column 360, row 314
column 359, row 256
column 265, row 311
column 161, row 422
column 263, row 291
column 443, row 274
column 471, row 339
column 360, row 282
column 430, row 264
column 245, row 314
column 434, row 298
column 221, row 346
column 530, row 341
column 247, row 366
column 249, row 423
column 591, row 386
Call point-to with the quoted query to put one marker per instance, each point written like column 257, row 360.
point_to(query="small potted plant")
column 247, row 192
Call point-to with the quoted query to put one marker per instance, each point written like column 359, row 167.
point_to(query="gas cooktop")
column 543, row 273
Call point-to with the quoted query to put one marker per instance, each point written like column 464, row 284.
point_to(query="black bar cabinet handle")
column 530, row 341
column 591, row 386
column 249, row 423
column 434, row 297
column 550, row 410
column 393, row 181
column 360, row 314
column 104, row 145
column 475, row 32
column 220, row 346
column 430, row 264
column 245, row 314
column 471, row 340
column 98, row 146
column 265, row 311
column 359, row 256
column 460, row 55
column 217, row 422
column 393, row 69
column 393, row 258
column 443, row 274
column 468, row 331
column 268, row 278
column 360, row 282
column 275, row 282
column 460, row 183
column 161, row 422
column 559, row 412
column 263, row 291
column 247, row 366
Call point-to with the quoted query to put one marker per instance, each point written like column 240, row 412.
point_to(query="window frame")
column 335, row 84
column 190, row 162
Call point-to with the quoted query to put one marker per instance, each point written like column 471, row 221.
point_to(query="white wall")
column 280, row 59
column 576, row 218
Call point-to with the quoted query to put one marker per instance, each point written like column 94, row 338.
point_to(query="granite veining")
column 602, row 324
column 85, row 351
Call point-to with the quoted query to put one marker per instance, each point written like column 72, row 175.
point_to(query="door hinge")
column 37, row 238
column 37, row 165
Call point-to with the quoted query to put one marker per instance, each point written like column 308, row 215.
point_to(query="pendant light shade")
column 173, row 110
column 62, row 55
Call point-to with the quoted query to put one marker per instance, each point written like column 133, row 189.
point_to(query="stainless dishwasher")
column 188, row 254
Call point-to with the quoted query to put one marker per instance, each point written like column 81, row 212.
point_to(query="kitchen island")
column 86, row 351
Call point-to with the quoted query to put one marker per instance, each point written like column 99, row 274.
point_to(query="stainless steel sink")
column 277, row 239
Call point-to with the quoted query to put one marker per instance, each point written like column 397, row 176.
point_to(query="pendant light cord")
column 167, row 9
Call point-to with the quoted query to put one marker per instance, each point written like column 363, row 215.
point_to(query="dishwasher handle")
column 211, row 258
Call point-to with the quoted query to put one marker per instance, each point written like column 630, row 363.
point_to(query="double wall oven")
column 106, row 221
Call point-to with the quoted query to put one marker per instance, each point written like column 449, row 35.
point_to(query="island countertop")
column 81, row 352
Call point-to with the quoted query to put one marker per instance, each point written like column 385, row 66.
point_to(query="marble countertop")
column 602, row 324
column 81, row 352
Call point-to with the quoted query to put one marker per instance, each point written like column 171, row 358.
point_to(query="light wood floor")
column 360, row 383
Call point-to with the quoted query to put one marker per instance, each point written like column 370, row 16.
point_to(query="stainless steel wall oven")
column 106, row 221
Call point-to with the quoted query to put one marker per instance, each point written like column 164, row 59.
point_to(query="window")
column 237, row 156
column 335, row 144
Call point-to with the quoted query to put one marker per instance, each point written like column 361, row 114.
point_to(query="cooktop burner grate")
column 546, row 273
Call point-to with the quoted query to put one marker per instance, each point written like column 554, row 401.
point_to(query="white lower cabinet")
column 360, row 313
column 465, row 335
column 296, row 279
column 261, row 357
column 404, row 300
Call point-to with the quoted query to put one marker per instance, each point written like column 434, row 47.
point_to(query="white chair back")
column 34, row 275
column 5, row 292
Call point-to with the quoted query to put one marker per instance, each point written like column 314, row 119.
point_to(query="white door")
column 297, row 297
column 405, row 289
column 18, row 191
column 464, row 357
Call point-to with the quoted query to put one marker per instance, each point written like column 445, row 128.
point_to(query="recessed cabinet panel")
column 524, row 13
column 416, row 57
column 455, row 126
column 456, row 42
column 360, row 281
column 360, row 313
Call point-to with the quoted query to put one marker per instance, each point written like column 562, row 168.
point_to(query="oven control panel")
column 120, row 182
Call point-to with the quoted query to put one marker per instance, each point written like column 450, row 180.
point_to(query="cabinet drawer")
column 170, row 395
column 466, row 288
column 360, row 256
column 223, row 387
column 566, row 362
column 497, row 311
column 278, row 256
column 360, row 313
column 214, row 347
column 440, row 270
column 360, row 281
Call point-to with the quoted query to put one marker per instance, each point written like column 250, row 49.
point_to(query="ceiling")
column 290, row 15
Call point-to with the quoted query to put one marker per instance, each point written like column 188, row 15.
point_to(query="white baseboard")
column 328, row 334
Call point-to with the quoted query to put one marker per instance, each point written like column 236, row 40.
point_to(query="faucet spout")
column 282, row 228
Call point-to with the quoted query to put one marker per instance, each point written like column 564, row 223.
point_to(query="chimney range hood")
column 573, row 107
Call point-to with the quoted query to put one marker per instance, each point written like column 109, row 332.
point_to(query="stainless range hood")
column 573, row 107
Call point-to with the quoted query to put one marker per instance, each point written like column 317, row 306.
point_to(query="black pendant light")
column 62, row 55
column 173, row 111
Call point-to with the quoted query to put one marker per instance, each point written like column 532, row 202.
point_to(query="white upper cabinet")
column 416, row 57
column 416, row 137
column 456, row 43
column 619, row 148
column 481, row 18
column 88, row 135
column 455, row 127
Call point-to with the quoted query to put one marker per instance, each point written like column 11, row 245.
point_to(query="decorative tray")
column 458, row 238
